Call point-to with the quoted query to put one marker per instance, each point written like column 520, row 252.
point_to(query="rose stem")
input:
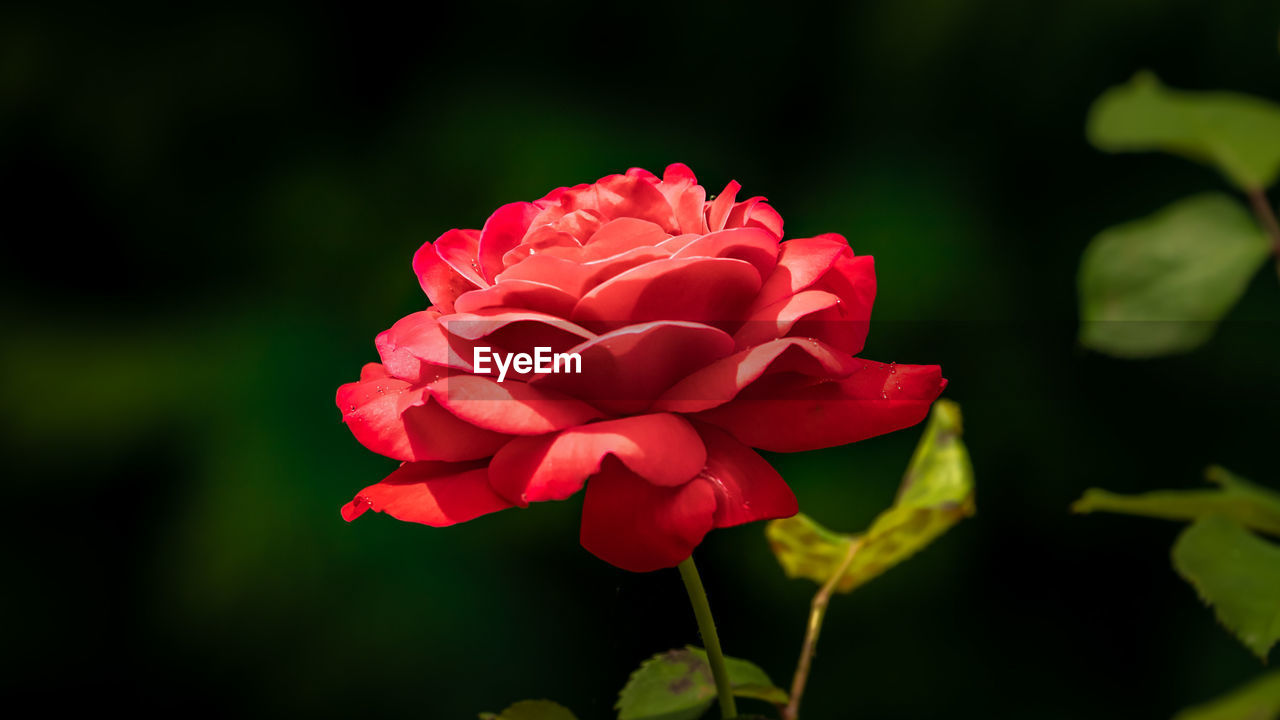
column 1266, row 218
column 707, row 627
column 817, row 613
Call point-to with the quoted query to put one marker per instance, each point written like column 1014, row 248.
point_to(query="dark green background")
column 209, row 213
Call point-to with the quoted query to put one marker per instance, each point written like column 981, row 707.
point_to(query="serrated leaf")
column 1236, row 572
column 1159, row 285
column 532, row 710
column 936, row 493
column 678, row 685
column 1256, row 700
column 1248, row 504
column 1239, row 134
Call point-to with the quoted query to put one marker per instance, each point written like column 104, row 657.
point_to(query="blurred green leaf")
column 1236, row 572
column 1256, row 700
column 532, row 710
column 1159, row 285
column 1246, row 503
column 936, row 493
column 678, row 685
column 1239, row 134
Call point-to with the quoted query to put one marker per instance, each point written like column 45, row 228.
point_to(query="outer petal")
column 663, row 449
column 431, row 493
column 393, row 418
column 747, row 487
column 511, row 407
column 638, row 526
column 789, row 413
column 625, row 370
column 723, row 380
column 707, row 290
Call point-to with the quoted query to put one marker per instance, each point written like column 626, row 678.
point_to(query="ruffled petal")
column 625, row 370
column 629, row 522
column 790, row 413
column 747, row 487
column 663, row 449
column 431, row 493
column 722, row 381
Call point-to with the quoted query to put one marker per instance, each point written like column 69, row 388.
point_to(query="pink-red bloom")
column 701, row 337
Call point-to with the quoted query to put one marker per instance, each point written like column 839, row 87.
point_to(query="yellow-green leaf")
column 1246, row 503
column 1239, row 134
column 532, row 710
column 1257, row 700
column 1236, row 572
column 1160, row 285
column 936, row 493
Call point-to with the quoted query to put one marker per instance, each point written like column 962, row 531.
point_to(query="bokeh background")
column 209, row 212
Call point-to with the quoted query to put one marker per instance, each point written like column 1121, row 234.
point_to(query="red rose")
column 700, row 336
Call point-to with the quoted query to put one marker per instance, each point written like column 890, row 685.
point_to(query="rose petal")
column 723, row 380
column 391, row 417
column 718, row 210
column 502, row 232
column 638, row 526
column 625, row 370
column 523, row 294
column 801, row 262
column 747, row 487
column 707, row 290
column 439, row 280
column 511, row 406
column 686, row 198
column 515, row 330
column 431, row 493
column 460, row 249
column 418, row 349
column 618, row 236
column 663, row 449
column 754, row 245
column 789, row 413
column 755, row 212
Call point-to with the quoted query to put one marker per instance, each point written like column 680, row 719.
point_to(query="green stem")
column 1267, row 219
column 707, row 626
column 817, row 613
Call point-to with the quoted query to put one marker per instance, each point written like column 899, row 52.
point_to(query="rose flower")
column 701, row 335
